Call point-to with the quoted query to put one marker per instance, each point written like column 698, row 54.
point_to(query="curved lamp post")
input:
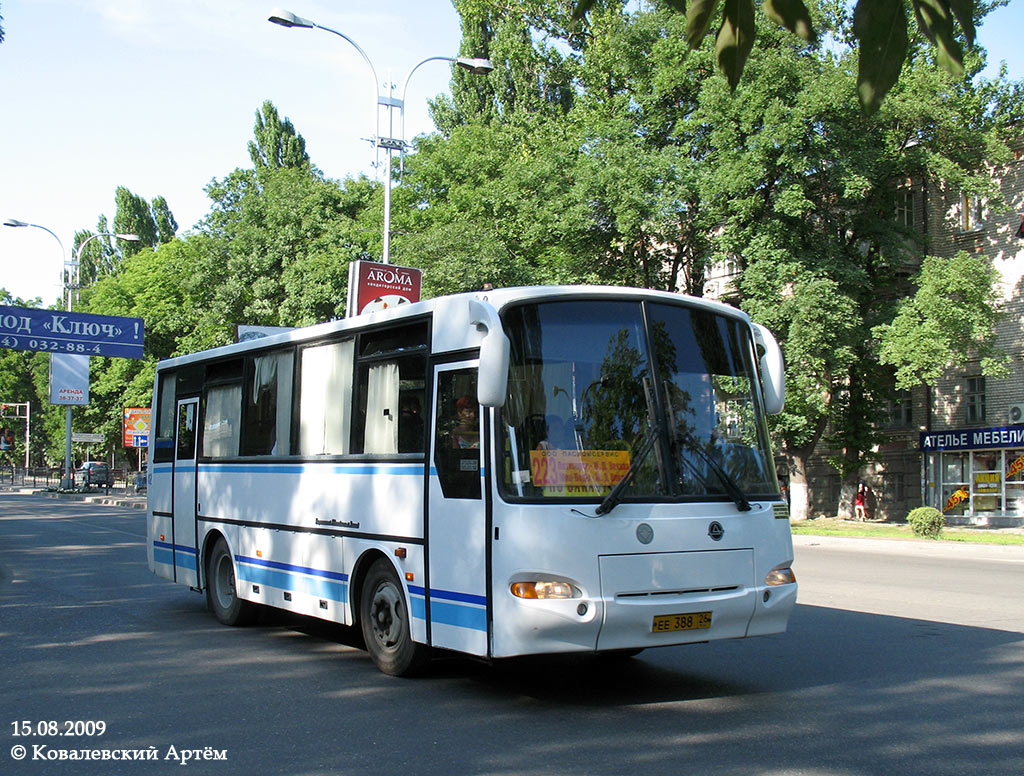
column 63, row 255
column 389, row 144
column 77, row 263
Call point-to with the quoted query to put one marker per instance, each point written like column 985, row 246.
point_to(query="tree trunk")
column 799, row 490
column 847, row 491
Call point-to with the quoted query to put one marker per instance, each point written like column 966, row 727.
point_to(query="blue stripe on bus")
column 276, row 564
column 448, row 607
column 185, row 556
column 450, row 595
column 458, row 615
column 293, row 582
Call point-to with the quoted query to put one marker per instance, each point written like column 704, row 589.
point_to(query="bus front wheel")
column 221, row 595
column 384, row 617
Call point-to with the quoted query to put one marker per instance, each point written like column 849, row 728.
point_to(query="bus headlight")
column 780, row 577
column 544, row 588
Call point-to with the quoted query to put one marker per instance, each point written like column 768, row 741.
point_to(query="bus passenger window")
column 268, row 404
column 222, row 420
column 163, row 446
column 325, row 398
column 391, row 386
column 410, row 422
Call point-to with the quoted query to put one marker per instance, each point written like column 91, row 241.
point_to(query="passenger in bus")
column 466, row 433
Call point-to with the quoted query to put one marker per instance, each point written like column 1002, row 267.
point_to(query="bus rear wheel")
column 221, row 594
column 384, row 618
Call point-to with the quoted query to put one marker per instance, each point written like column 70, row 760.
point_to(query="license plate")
column 678, row 622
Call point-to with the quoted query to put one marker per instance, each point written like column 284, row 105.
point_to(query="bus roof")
column 454, row 310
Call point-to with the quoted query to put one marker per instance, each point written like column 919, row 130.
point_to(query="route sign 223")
column 53, row 331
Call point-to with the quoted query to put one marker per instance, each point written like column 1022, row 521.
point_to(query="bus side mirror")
column 492, row 381
column 773, row 371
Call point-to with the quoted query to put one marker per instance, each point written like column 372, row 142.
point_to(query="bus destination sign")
column 54, row 331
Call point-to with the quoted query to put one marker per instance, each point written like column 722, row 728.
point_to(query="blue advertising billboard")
column 84, row 334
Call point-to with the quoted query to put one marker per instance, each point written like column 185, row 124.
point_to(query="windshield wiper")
column 614, row 497
column 732, row 488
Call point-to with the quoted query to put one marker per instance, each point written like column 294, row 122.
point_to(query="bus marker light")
column 409, row 576
column 401, row 552
column 162, row 538
column 780, row 577
column 259, row 553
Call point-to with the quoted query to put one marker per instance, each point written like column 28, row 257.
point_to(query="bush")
column 927, row 522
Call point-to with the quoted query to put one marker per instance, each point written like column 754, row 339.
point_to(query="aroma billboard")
column 373, row 286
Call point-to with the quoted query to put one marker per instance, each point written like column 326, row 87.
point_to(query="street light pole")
column 389, row 144
column 77, row 263
column 63, row 256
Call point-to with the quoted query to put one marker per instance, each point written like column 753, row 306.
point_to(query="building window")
column 901, row 411
column 971, row 212
column 905, row 207
column 975, row 399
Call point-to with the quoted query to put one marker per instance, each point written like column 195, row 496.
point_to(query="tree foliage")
column 880, row 28
column 276, row 143
column 152, row 224
column 654, row 170
column 949, row 321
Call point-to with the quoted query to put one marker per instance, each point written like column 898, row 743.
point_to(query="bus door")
column 456, row 525
column 184, row 494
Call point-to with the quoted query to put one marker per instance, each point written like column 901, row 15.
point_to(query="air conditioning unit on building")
column 1016, row 414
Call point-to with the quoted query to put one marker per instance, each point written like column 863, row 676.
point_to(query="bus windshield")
column 662, row 395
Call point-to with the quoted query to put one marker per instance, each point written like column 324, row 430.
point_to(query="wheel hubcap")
column 225, row 583
column 386, row 616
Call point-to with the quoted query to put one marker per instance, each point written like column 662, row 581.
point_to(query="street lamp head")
column 129, row 237
column 288, row 19
column 476, row 66
column 15, row 222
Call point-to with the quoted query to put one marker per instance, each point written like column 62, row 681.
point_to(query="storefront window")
column 1015, row 480
column 988, row 482
column 955, row 484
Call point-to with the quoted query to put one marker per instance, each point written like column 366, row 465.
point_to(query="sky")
column 160, row 96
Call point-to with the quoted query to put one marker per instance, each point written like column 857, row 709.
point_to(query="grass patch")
column 830, row 526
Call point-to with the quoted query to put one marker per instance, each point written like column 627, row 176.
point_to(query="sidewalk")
column 115, row 497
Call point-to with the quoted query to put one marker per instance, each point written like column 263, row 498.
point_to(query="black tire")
column 384, row 619
column 221, row 596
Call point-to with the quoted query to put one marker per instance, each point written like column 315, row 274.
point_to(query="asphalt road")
column 900, row 659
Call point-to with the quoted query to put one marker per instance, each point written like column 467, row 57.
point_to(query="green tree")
column 153, row 224
column 166, row 226
column 654, row 169
column 949, row 321
column 805, row 184
column 879, row 27
column 276, row 142
column 134, row 216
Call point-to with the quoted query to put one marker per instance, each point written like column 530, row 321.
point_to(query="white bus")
column 511, row 472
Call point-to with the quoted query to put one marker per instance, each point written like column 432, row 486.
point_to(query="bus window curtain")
column 324, row 417
column 381, row 432
column 223, row 421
